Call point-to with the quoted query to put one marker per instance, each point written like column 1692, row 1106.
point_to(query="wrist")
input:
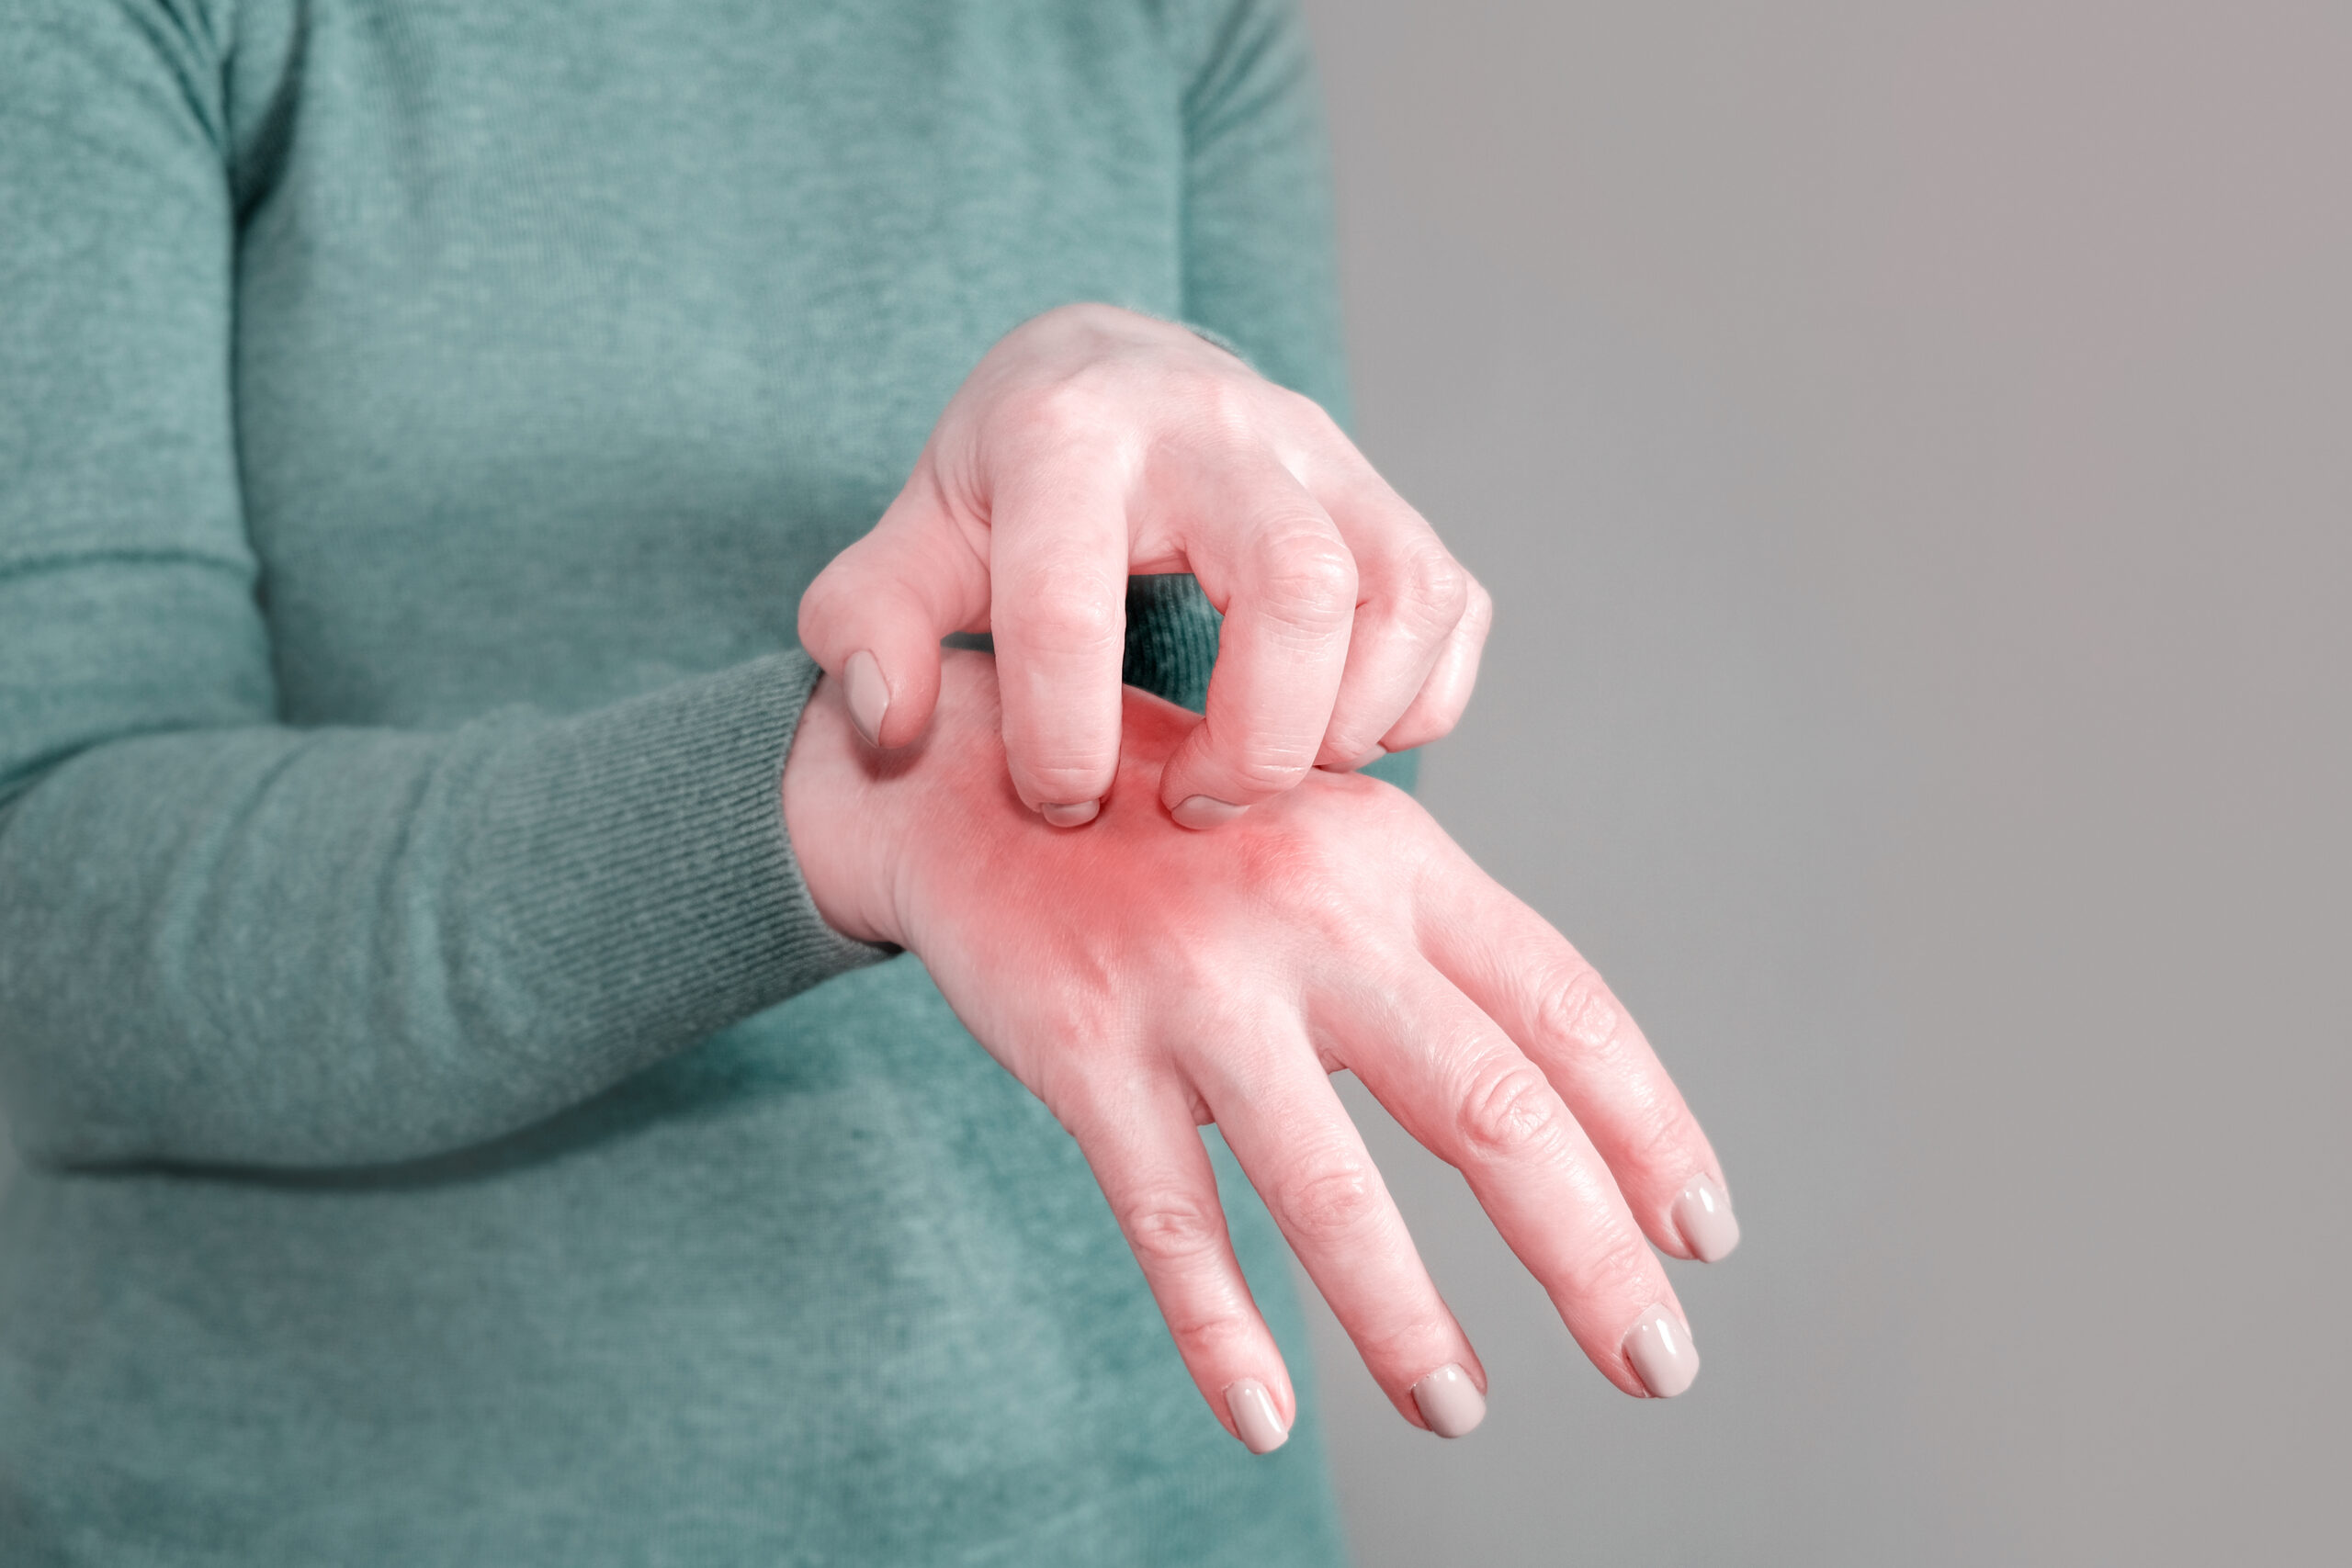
column 858, row 816
column 830, row 819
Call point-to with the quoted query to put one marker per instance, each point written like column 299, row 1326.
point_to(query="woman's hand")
column 1141, row 981
column 1092, row 443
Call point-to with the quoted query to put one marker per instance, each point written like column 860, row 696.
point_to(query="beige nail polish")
column 1366, row 760
column 1659, row 1347
column 1449, row 1401
column 868, row 694
column 1076, row 815
column 1703, row 1216
column 1255, row 1416
column 1204, row 811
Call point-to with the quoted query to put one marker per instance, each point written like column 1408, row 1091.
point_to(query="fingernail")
column 1366, row 760
column 1703, row 1216
column 1255, row 1418
column 1659, row 1347
column 1077, row 815
column 869, row 694
column 1449, row 1401
column 1204, row 811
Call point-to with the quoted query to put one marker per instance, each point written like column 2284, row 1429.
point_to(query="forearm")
column 267, row 946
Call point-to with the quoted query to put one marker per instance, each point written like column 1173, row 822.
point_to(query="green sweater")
column 450, row 1134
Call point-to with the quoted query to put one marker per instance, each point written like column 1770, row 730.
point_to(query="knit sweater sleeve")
column 223, row 940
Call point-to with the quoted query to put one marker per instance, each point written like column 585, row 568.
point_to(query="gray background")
column 1911, row 450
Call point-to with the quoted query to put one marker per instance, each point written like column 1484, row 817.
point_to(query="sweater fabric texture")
column 449, row 1132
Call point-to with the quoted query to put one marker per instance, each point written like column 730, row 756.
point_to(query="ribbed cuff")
column 652, row 893
column 1172, row 639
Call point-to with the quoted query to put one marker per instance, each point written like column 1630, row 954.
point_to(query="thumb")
column 875, row 615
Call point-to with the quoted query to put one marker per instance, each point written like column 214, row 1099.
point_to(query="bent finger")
column 1058, row 613
column 1411, row 594
column 1456, row 1081
column 1287, row 584
column 1144, row 1151
column 1437, row 706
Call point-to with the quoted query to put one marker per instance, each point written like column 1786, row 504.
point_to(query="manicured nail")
column 1449, row 1401
column 869, row 694
column 1703, row 1216
column 1366, row 760
column 1077, row 815
column 1659, row 1347
column 1255, row 1418
column 1204, row 811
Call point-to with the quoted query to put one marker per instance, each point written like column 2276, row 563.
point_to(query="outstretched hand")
column 1092, row 444
column 1142, row 981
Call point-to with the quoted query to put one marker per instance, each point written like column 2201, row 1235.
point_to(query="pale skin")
column 1141, row 981
column 1017, row 823
column 1092, row 443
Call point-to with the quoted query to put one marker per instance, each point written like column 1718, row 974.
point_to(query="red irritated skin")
column 1142, row 979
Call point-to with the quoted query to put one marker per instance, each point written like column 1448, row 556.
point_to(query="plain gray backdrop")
column 1910, row 447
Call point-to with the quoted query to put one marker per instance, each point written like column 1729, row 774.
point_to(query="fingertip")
column 1201, row 812
column 1366, row 760
column 1449, row 1401
column 1257, row 1419
column 1659, row 1347
column 1703, row 1217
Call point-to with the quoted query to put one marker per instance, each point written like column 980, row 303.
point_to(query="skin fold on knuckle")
column 1575, row 1011
column 1613, row 1276
column 1330, row 1204
column 1172, row 1232
column 1511, row 1114
column 1432, row 591
column 1408, row 1349
column 1306, row 579
column 1073, row 608
column 1665, row 1143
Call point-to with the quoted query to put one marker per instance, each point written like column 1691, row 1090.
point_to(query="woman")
column 424, row 844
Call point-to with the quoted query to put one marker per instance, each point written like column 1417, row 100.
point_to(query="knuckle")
column 1616, row 1265
column 1661, row 1132
column 1574, row 1008
column 1307, row 576
column 1310, row 414
column 1077, row 614
column 1057, row 413
column 1435, row 589
column 1510, row 1112
column 1406, row 1341
column 1171, row 1231
column 1220, row 405
column 1331, row 1202
column 1477, row 609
